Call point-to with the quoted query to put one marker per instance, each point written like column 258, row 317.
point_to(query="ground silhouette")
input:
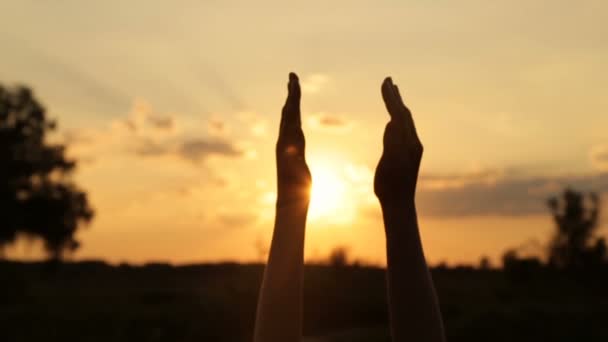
column 93, row 301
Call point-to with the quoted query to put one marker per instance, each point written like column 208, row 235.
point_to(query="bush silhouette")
column 37, row 198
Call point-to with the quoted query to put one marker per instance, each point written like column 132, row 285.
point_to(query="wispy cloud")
column 236, row 218
column 314, row 83
column 217, row 127
column 497, row 192
column 258, row 126
column 199, row 149
column 328, row 122
column 599, row 157
column 144, row 133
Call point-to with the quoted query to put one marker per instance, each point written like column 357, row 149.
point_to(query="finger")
column 398, row 99
column 294, row 89
column 285, row 111
column 391, row 100
column 283, row 116
column 388, row 96
column 293, row 101
column 405, row 113
column 290, row 116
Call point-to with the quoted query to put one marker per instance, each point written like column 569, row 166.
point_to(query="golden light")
column 327, row 194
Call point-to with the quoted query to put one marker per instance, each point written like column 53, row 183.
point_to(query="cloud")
column 459, row 180
column 144, row 120
column 498, row 192
column 162, row 123
column 259, row 129
column 199, row 149
column 331, row 121
column 314, row 83
column 599, row 157
column 150, row 148
column 258, row 126
column 217, row 127
column 192, row 149
column 327, row 122
column 236, row 219
column 143, row 133
column 76, row 137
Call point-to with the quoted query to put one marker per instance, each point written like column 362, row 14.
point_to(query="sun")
column 327, row 196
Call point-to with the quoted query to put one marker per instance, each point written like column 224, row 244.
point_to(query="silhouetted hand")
column 397, row 171
column 413, row 305
column 279, row 312
column 293, row 175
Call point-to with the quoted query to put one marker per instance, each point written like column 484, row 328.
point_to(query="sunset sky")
column 172, row 107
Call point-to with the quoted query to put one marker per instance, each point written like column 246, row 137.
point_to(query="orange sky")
column 171, row 109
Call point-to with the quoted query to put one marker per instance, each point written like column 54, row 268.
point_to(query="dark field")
column 96, row 302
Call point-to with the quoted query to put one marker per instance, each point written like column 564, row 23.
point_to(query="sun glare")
column 327, row 193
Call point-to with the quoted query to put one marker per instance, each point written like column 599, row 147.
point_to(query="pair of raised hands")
column 413, row 305
column 397, row 171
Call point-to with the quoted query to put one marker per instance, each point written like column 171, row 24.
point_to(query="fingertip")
column 293, row 77
column 293, row 98
column 386, row 84
column 294, row 84
column 387, row 87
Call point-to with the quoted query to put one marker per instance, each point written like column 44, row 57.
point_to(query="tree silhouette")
column 338, row 257
column 37, row 198
column 485, row 263
column 576, row 217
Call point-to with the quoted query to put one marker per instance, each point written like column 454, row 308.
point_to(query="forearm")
column 414, row 308
column 279, row 314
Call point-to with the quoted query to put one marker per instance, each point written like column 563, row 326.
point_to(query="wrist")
column 290, row 196
column 292, row 202
column 398, row 206
column 398, row 216
column 291, row 214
